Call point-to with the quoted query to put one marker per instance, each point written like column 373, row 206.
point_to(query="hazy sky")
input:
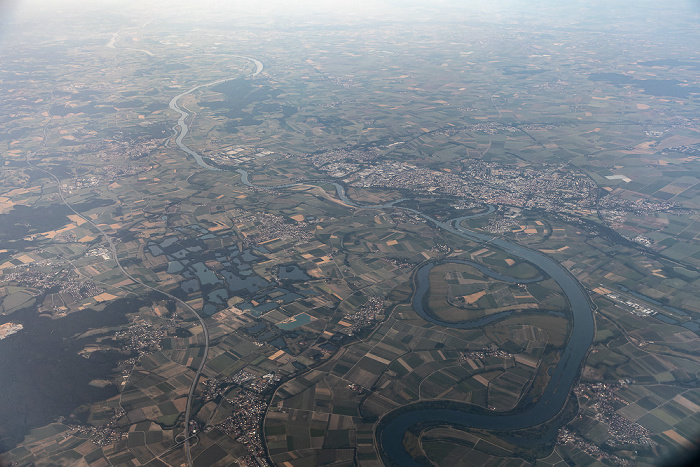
column 507, row 8
column 652, row 16
column 300, row 7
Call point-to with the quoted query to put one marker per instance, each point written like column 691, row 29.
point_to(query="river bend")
column 562, row 379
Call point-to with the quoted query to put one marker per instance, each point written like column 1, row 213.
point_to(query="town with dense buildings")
column 228, row 240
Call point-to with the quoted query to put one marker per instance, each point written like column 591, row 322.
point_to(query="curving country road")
column 390, row 434
column 184, row 129
column 113, row 250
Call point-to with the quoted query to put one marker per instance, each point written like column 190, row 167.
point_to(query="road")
column 184, row 129
column 390, row 433
column 113, row 250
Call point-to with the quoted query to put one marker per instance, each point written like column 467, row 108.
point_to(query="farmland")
column 255, row 306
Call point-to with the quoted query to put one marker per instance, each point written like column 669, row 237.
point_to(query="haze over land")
column 349, row 233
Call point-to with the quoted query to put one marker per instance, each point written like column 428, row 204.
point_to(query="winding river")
column 555, row 394
column 563, row 377
column 186, row 437
column 422, row 286
column 558, row 388
column 181, row 122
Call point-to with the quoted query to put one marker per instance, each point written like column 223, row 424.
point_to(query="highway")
column 184, row 129
column 113, row 250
